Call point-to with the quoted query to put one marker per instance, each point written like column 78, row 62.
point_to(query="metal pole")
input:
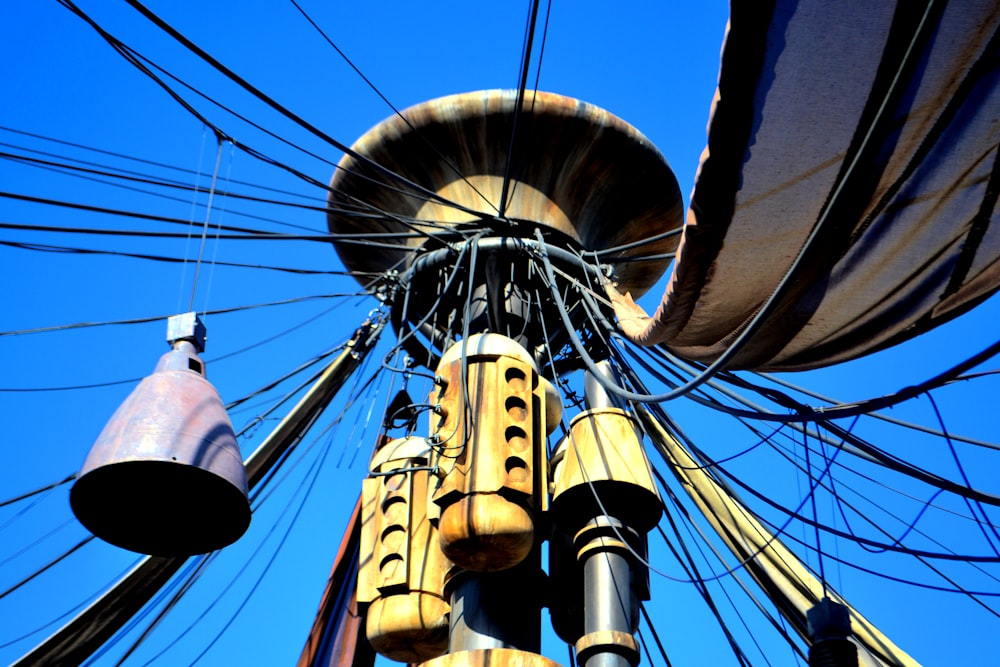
column 610, row 601
column 497, row 609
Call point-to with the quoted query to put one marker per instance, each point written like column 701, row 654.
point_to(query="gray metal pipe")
column 496, row 609
column 611, row 602
column 598, row 398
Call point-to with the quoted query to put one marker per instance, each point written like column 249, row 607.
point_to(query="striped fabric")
column 845, row 199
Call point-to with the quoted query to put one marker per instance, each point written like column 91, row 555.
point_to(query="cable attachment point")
column 829, row 625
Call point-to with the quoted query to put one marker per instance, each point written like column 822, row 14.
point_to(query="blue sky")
column 652, row 63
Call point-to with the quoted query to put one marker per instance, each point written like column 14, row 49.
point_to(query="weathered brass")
column 496, row 657
column 401, row 574
column 488, row 441
column 603, row 458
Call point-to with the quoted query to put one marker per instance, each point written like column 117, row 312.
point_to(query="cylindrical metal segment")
column 611, row 605
column 496, row 609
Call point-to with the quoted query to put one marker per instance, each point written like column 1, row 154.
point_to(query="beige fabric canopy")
column 849, row 187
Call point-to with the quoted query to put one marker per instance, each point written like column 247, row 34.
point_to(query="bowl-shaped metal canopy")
column 570, row 166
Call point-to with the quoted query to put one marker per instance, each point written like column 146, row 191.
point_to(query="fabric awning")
column 848, row 191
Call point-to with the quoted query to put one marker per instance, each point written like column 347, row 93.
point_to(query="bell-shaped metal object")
column 165, row 476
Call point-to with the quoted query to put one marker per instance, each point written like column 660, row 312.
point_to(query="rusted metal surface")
column 165, row 477
column 575, row 168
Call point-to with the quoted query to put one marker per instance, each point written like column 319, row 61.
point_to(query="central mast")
column 487, row 299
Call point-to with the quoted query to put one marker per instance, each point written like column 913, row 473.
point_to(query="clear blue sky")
column 652, row 63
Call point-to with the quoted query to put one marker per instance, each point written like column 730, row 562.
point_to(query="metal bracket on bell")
column 165, row 477
column 186, row 326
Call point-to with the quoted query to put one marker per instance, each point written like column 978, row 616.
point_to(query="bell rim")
column 107, row 502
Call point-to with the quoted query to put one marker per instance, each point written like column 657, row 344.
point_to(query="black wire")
column 585, row 356
column 73, row 250
column 604, row 252
column 191, row 578
column 211, row 361
column 280, row 380
column 38, row 540
column 965, row 478
column 456, row 271
column 642, row 644
column 701, row 583
column 35, row 492
column 345, row 239
column 256, row 154
column 956, row 588
column 806, row 413
column 518, row 110
column 118, row 212
column 704, row 592
column 693, row 573
column 55, row 561
column 854, row 538
column 312, row 474
column 644, row 258
column 910, row 526
column 866, row 450
column 68, row 171
column 444, row 158
column 640, row 558
column 156, row 318
column 362, row 239
column 790, row 514
column 773, row 537
column 877, row 415
column 154, row 163
column 812, row 502
column 373, row 212
column 66, row 613
column 541, row 50
column 656, row 637
column 144, row 612
column 75, row 387
column 708, row 401
column 284, row 111
column 79, row 172
column 839, row 411
column 357, row 391
column 137, row 60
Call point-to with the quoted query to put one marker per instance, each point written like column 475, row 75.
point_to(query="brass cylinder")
column 401, row 575
column 488, row 436
column 603, row 458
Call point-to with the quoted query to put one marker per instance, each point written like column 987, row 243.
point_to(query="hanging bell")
column 165, row 476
